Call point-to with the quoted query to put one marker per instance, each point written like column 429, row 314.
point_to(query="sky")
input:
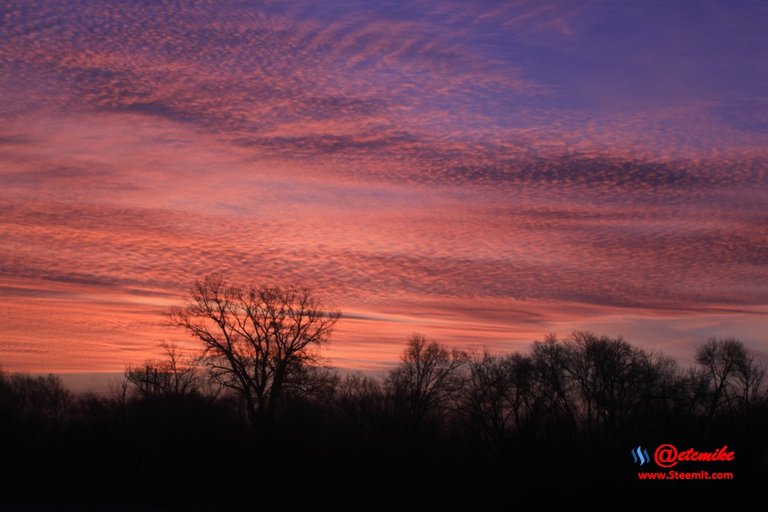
column 485, row 173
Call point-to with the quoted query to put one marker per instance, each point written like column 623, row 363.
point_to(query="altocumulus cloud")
column 465, row 170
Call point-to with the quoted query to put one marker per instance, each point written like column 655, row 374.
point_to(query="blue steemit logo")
column 640, row 455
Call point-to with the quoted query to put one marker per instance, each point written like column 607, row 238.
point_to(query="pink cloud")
column 415, row 180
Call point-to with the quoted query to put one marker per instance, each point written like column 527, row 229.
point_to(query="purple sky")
column 485, row 173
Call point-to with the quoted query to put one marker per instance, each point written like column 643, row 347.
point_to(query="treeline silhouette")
column 444, row 429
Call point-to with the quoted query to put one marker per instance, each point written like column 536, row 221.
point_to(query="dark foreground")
column 555, row 428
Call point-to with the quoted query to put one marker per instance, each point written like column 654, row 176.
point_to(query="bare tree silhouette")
column 732, row 376
column 32, row 401
column 499, row 396
column 615, row 381
column 362, row 400
column 426, row 378
column 258, row 340
column 175, row 376
column 555, row 390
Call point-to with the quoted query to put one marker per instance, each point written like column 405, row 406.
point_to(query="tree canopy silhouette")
column 258, row 341
column 559, row 419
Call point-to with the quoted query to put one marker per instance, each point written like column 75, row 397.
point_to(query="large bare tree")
column 258, row 340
